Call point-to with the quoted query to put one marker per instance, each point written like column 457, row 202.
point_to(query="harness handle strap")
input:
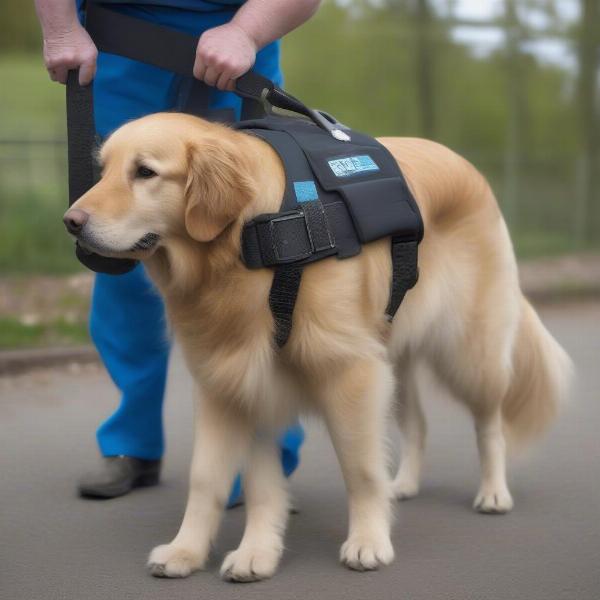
column 175, row 51
column 81, row 133
column 163, row 47
column 81, row 141
column 257, row 88
column 141, row 40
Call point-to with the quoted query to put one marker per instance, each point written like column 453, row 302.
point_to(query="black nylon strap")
column 282, row 300
column 143, row 41
column 254, row 86
column 81, row 134
column 258, row 89
column 198, row 99
column 81, row 141
column 405, row 273
column 293, row 236
column 169, row 49
column 252, row 109
column 287, row 277
column 321, row 236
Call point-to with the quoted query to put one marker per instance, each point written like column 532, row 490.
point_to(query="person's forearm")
column 267, row 20
column 56, row 16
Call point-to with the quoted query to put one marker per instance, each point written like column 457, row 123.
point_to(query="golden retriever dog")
column 175, row 192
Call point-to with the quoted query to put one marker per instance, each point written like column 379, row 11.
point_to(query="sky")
column 485, row 40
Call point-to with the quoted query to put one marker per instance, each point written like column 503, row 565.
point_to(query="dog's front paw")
column 367, row 553
column 250, row 564
column 169, row 560
column 491, row 501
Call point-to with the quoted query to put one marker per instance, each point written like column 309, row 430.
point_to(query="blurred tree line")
column 394, row 67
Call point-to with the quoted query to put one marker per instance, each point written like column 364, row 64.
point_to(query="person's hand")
column 223, row 54
column 68, row 49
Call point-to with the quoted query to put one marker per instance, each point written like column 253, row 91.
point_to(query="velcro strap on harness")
column 291, row 236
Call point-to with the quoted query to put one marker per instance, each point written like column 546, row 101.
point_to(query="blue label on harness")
column 305, row 191
column 352, row 165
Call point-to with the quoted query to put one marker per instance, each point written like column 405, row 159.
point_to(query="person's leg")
column 127, row 321
column 289, row 443
column 127, row 324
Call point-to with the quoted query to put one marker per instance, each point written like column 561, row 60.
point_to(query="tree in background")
column 588, row 35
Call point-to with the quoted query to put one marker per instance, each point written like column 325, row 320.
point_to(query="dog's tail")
column 542, row 373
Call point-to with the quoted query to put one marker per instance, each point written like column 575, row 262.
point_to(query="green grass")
column 14, row 334
column 32, row 236
column 33, row 190
column 31, row 106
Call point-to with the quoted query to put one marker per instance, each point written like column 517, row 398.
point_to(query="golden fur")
column 466, row 317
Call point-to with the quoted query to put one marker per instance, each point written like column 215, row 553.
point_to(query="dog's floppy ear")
column 218, row 187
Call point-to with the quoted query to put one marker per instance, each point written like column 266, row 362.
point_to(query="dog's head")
column 165, row 176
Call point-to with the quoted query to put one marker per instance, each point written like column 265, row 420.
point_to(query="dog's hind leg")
column 356, row 403
column 411, row 422
column 221, row 440
column 493, row 495
column 265, row 492
column 482, row 386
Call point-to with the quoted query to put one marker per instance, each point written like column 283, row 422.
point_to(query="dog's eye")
column 143, row 172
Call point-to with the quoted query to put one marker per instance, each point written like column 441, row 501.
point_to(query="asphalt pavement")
column 54, row 545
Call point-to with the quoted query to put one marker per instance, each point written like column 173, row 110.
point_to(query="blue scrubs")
column 127, row 321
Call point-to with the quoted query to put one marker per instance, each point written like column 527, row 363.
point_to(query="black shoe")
column 118, row 476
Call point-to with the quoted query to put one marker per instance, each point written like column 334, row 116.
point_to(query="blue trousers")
column 127, row 321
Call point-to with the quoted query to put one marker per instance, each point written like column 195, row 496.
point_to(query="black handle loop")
column 81, row 133
column 260, row 89
column 81, row 142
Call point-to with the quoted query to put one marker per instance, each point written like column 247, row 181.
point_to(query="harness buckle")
column 299, row 248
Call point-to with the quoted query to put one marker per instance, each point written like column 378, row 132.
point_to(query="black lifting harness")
column 343, row 188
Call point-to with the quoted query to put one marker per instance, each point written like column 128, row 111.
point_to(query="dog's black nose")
column 74, row 220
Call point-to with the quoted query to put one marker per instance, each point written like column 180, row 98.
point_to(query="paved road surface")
column 55, row 546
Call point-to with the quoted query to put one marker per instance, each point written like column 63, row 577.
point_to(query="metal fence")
column 33, row 166
column 33, row 197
